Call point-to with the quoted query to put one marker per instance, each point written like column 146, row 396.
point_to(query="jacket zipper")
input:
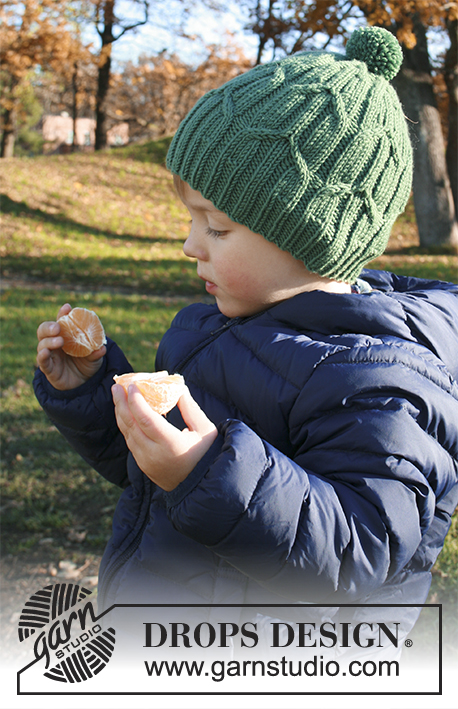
column 132, row 548
column 214, row 334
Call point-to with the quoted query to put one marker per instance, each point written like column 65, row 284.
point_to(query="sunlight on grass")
column 100, row 228
column 437, row 268
column 47, row 489
column 111, row 220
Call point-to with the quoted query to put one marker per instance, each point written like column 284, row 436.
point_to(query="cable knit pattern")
column 311, row 151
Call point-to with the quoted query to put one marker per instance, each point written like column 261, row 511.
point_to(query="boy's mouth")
column 210, row 287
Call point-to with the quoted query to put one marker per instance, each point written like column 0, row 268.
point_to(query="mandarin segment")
column 161, row 390
column 82, row 331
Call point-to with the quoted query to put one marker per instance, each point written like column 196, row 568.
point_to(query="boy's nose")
column 193, row 248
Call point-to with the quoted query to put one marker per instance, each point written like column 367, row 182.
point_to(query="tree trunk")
column 262, row 27
column 451, row 79
column 103, row 81
column 433, row 199
column 261, row 45
column 9, row 122
column 74, row 106
column 7, row 147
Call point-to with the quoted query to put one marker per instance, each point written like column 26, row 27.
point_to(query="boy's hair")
column 311, row 151
column 179, row 185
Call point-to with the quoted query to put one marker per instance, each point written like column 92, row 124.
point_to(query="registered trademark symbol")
column 408, row 642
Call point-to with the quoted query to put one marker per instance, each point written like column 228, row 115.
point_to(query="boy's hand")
column 61, row 370
column 163, row 452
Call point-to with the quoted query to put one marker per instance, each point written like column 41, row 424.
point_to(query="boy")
column 314, row 459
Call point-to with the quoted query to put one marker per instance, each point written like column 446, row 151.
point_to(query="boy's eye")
column 215, row 234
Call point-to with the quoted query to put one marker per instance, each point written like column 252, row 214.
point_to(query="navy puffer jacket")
column 334, row 474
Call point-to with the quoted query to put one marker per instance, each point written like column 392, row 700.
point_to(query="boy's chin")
column 234, row 310
column 227, row 310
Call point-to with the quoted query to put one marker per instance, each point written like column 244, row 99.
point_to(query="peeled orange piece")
column 161, row 389
column 82, row 331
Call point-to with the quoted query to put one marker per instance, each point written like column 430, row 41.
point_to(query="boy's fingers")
column 193, row 416
column 152, row 424
column 64, row 310
column 50, row 343
column 48, row 329
column 132, row 411
column 129, row 411
column 51, row 328
column 119, row 398
column 117, row 393
column 44, row 361
column 124, row 418
column 97, row 354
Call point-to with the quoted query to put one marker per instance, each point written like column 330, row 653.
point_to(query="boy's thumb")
column 193, row 416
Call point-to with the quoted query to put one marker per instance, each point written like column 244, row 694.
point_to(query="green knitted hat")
column 311, row 151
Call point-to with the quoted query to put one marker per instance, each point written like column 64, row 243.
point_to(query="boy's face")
column 245, row 272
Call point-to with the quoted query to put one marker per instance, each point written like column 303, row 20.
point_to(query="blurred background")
column 91, row 93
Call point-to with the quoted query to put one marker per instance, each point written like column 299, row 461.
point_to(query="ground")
column 23, row 576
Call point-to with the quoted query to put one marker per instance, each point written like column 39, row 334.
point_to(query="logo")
column 73, row 637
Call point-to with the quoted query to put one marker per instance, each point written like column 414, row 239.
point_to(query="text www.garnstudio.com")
column 218, row 670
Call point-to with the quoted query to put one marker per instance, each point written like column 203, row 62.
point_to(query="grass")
column 113, row 220
column 47, row 490
column 106, row 231
column 109, row 221
column 405, row 257
column 152, row 151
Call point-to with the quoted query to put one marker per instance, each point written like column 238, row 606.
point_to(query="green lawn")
column 90, row 220
column 47, row 489
column 113, row 220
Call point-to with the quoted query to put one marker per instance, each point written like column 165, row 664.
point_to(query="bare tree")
column 433, row 198
column 451, row 80
column 110, row 28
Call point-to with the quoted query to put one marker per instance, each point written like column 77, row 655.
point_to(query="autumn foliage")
column 155, row 94
column 284, row 26
column 34, row 33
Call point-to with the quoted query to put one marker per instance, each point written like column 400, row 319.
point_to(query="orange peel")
column 161, row 390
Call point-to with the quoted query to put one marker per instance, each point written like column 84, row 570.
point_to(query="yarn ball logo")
column 74, row 636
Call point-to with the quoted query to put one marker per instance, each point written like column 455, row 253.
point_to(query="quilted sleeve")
column 85, row 416
column 376, row 448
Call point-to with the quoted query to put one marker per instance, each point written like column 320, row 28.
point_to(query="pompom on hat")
column 311, row 151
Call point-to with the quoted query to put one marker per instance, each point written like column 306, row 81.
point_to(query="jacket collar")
column 372, row 313
column 415, row 310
